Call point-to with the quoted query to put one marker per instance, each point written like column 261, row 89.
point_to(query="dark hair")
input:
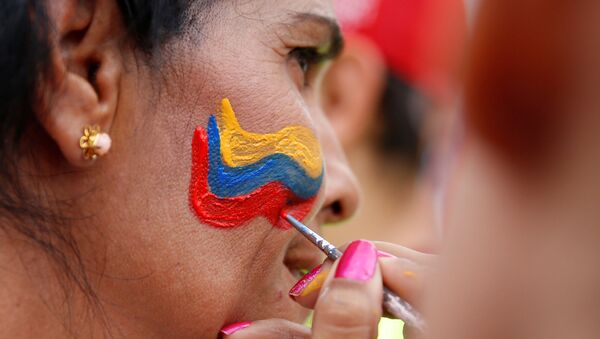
column 401, row 110
column 24, row 65
column 151, row 23
column 23, row 62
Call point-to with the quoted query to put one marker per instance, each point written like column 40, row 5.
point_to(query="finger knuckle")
column 346, row 310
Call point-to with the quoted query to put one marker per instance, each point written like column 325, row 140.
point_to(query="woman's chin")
column 276, row 305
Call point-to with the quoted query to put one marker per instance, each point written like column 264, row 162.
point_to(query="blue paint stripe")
column 228, row 182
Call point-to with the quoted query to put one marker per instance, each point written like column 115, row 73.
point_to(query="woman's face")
column 167, row 268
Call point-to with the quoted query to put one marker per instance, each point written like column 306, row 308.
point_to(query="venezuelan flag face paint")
column 238, row 175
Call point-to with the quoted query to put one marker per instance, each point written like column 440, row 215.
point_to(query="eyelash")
column 308, row 58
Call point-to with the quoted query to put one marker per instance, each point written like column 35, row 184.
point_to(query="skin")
column 156, row 270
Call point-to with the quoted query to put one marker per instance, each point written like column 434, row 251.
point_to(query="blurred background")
column 513, row 115
column 392, row 99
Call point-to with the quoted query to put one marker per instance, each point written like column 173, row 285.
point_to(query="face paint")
column 240, row 148
column 238, row 176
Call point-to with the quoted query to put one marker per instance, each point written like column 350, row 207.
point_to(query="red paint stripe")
column 268, row 201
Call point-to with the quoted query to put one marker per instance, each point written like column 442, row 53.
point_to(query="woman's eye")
column 306, row 59
column 303, row 62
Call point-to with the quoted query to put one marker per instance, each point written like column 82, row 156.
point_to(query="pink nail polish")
column 231, row 329
column 358, row 262
column 305, row 281
column 384, row 254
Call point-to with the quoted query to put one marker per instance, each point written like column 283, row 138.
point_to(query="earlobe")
column 86, row 68
column 73, row 106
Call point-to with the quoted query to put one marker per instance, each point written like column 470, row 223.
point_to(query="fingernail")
column 309, row 283
column 358, row 262
column 231, row 329
column 384, row 254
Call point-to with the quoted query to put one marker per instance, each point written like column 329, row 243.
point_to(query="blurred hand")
column 347, row 303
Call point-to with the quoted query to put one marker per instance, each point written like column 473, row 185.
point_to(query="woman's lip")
column 297, row 273
column 299, row 263
column 301, row 255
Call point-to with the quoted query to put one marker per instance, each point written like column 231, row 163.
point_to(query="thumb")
column 350, row 302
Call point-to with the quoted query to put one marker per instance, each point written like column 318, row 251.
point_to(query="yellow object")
column 409, row 274
column 315, row 284
column 241, row 148
column 94, row 143
column 388, row 328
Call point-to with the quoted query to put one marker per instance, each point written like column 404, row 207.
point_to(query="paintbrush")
column 393, row 305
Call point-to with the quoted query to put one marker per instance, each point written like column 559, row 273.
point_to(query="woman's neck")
column 36, row 288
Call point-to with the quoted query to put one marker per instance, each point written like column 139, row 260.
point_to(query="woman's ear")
column 86, row 66
column 352, row 90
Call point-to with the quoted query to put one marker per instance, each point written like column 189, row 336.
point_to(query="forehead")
column 278, row 10
column 239, row 49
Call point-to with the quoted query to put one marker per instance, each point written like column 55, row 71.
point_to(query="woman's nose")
column 342, row 194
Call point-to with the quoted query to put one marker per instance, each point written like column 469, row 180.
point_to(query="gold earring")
column 93, row 143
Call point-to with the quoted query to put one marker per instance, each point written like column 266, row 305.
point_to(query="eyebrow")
column 336, row 39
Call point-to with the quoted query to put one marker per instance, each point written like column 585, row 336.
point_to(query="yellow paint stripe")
column 241, row 148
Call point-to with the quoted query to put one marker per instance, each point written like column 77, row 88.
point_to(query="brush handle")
column 330, row 251
column 398, row 308
column 393, row 305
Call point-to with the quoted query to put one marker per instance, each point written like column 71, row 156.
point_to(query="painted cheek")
column 238, row 176
column 241, row 148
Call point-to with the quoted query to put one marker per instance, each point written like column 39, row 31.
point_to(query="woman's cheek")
column 238, row 175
